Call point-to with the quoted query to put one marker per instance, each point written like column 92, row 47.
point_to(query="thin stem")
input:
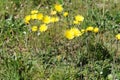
column 114, row 61
column 103, row 13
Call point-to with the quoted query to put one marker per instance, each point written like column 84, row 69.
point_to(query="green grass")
column 50, row 56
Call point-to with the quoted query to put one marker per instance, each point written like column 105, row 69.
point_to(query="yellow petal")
column 34, row 28
column 58, row 8
column 43, row 28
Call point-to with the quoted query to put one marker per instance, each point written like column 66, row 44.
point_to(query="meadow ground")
column 59, row 39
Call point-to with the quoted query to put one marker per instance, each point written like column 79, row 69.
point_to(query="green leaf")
column 60, row 1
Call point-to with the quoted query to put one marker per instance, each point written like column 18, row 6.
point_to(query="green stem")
column 114, row 61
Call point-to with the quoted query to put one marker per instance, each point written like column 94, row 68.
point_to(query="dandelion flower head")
column 46, row 19
column 53, row 12
column 58, row 8
column 76, row 32
column 34, row 28
column 43, row 28
column 65, row 14
column 27, row 18
column 118, row 36
column 96, row 30
column 69, row 34
column 34, row 11
column 34, row 16
column 90, row 28
column 39, row 16
column 76, row 22
column 79, row 18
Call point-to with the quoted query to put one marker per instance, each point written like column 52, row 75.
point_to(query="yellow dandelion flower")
column 34, row 11
column 34, row 16
column 96, row 30
column 39, row 16
column 76, row 22
column 56, row 19
column 76, row 32
column 46, row 19
column 69, row 34
column 79, row 18
column 27, row 18
column 65, row 14
column 43, row 28
column 53, row 19
column 58, row 8
column 90, row 28
column 53, row 12
column 118, row 36
column 34, row 28
column 82, row 31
